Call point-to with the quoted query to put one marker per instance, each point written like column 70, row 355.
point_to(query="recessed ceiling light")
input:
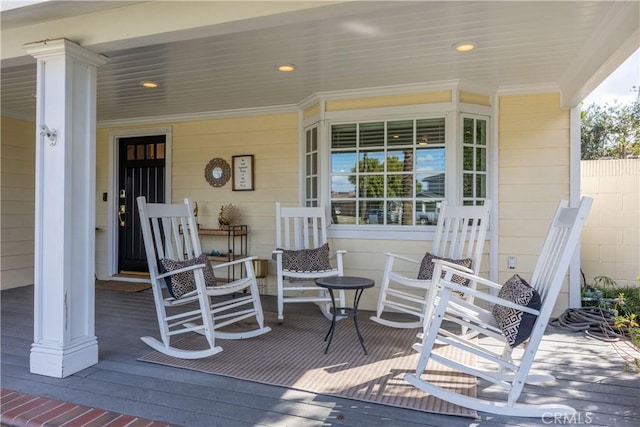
column 465, row 46
column 286, row 68
column 149, row 84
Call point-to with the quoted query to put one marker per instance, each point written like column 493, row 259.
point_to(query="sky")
column 618, row 86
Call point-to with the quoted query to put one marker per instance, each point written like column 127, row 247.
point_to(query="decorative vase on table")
column 229, row 216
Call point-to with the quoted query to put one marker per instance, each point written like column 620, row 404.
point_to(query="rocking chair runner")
column 302, row 255
column 460, row 234
column 519, row 314
column 171, row 238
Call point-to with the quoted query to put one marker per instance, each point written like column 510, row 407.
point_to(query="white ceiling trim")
column 528, row 89
column 389, row 90
column 209, row 115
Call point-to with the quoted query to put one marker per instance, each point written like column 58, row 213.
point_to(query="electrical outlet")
column 512, row 262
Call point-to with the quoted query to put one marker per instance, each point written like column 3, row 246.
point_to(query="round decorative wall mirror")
column 217, row 172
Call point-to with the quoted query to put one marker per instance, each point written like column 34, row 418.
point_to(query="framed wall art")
column 242, row 167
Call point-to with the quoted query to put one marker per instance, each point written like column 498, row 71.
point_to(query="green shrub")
column 622, row 301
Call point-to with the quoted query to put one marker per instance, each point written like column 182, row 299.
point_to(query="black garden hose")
column 594, row 321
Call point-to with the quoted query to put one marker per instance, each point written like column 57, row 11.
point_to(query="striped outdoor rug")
column 292, row 355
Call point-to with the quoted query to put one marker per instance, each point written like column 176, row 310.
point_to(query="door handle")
column 121, row 212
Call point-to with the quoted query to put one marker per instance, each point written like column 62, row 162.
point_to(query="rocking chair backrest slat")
column 171, row 236
column 300, row 227
column 461, row 232
column 553, row 262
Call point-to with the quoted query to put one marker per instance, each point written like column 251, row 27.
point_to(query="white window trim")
column 452, row 111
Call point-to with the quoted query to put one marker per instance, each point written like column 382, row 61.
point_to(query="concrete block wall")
column 611, row 238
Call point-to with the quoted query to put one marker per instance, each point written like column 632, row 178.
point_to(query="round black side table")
column 347, row 283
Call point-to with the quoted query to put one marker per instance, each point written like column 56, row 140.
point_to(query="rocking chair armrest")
column 337, row 254
column 181, row 270
column 465, row 272
column 493, row 299
column 402, row 257
column 453, row 266
column 233, row 262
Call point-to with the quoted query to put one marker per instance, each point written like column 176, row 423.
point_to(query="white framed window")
column 311, row 166
column 474, row 159
column 388, row 172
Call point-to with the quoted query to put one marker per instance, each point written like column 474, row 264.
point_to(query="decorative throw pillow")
column 516, row 325
column 182, row 283
column 427, row 266
column 305, row 260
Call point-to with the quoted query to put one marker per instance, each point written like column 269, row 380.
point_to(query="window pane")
column 430, row 185
column 430, row 160
column 400, row 132
column 371, row 161
column 343, row 136
column 400, row 185
column 481, row 132
column 372, row 212
column 343, row 186
column 314, row 139
column 343, row 162
column 371, row 186
column 140, row 152
column 343, row 212
column 467, row 185
column 481, row 159
column 160, row 151
column 467, row 131
column 151, row 152
column 399, row 160
column 313, row 170
column 131, row 153
column 427, row 212
column 394, row 213
column 467, row 160
column 481, row 185
column 308, row 141
column 430, row 131
column 372, row 134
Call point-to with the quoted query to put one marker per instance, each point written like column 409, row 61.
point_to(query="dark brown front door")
column 141, row 173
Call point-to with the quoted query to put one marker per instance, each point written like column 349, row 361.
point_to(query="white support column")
column 575, row 145
column 64, row 294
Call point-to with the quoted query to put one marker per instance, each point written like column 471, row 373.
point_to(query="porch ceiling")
column 570, row 46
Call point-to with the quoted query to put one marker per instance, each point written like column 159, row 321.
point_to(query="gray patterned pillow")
column 305, row 260
column 182, row 283
column 427, row 266
column 516, row 325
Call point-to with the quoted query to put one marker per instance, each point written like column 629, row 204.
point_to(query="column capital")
column 63, row 47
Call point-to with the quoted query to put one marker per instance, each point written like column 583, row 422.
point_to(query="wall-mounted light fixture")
column 50, row 134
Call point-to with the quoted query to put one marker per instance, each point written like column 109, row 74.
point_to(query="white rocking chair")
column 460, row 233
column 560, row 244
column 170, row 233
column 301, row 257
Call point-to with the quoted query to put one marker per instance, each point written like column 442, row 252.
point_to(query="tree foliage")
column 610, row 130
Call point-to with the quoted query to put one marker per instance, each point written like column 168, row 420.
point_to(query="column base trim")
column 60, row 362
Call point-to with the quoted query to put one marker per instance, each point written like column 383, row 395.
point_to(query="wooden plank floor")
column 590, row 376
